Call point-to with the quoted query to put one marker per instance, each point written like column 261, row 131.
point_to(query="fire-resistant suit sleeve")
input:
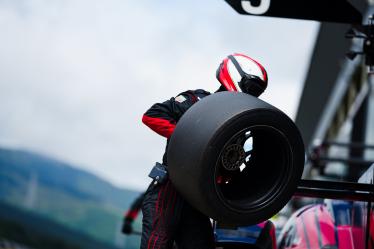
column 134, row 209
column 163, row 117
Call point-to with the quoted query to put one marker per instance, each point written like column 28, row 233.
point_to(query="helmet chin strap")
column 221, row 88
column 251, row 87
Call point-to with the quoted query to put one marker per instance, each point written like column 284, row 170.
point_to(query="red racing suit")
column 167, row 217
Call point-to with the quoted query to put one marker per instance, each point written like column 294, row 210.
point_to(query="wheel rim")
column 254, row 181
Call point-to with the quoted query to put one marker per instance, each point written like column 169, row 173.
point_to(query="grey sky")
column 76, row 76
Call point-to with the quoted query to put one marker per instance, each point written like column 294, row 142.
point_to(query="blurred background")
column 77, row 76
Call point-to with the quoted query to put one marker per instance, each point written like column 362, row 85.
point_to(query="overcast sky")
column 76, row 76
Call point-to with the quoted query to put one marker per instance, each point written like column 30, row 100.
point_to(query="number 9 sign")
column 340, row 11
column 262, row 8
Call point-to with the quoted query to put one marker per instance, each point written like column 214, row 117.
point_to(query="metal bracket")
column 365, row 32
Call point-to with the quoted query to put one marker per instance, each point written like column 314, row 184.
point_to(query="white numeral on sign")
column 256, row 10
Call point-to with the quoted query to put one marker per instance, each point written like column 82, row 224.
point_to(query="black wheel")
column 236, row 158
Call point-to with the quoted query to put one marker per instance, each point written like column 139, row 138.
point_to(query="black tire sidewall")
column 207, row 182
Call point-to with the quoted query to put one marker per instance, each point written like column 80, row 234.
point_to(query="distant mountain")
column 21, row 226
column 64, row 194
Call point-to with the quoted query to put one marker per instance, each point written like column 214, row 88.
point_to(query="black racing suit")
column 167, row 217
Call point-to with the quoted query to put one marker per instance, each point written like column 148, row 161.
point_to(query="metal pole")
column 336, row 190
column 351, row 160
column 351, row 145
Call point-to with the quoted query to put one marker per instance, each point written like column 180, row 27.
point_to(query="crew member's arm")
column 131, row 215
column 163, row 117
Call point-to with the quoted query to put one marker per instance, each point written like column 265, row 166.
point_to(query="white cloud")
column 76, row 76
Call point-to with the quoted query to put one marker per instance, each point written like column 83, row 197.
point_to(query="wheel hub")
column 233, row 156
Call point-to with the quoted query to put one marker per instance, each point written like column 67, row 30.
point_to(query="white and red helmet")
column 240, row 73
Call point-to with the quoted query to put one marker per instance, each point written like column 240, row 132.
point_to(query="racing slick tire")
column 236, row 158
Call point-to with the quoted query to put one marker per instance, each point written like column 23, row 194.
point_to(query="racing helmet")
column 240, row 73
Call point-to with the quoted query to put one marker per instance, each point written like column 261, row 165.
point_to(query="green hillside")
column 34, row 230
column 73, row 198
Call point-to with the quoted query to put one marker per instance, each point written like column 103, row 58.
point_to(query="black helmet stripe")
column 237, row 66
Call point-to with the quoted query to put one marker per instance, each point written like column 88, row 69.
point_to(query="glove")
column 127, row 227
